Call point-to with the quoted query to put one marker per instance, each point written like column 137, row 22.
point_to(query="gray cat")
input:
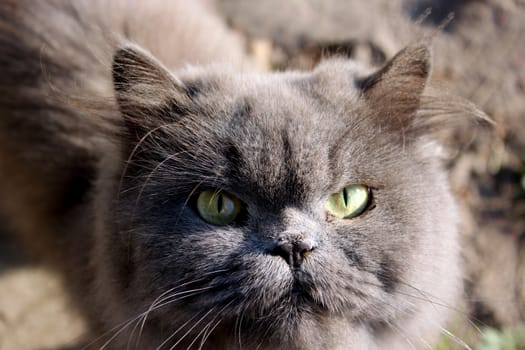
column 213, row 207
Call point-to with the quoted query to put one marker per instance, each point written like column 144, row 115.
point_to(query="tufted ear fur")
column 394, row 91
column 147, row 94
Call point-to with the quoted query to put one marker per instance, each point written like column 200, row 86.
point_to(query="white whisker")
column 207, row 334
column 126, row 324
column 203, row 331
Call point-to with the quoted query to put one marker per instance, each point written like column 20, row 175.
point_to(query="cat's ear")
column 394, row 91
column 147, row 94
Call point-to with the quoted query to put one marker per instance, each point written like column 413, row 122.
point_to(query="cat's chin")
column 307, row 333
column 299, row 323
column 294, row 331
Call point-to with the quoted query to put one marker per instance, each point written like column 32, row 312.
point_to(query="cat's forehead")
column 296, row 108
column 219, row 79
column 313, row 109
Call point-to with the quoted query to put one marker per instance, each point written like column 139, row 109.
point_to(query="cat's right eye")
column 349, row 202
column 217, row 207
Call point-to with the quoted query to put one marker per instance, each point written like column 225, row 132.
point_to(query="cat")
column 190, row 202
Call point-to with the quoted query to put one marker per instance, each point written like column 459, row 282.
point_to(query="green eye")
column 348, row 203
column 218, row 208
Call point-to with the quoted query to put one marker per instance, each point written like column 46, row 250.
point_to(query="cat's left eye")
column 218, row 208
column 349, row 202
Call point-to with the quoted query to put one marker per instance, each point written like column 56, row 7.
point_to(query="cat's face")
column 276, row 150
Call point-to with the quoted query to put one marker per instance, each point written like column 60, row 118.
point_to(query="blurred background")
column 478, row 53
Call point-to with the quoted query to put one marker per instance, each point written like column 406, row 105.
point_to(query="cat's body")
column 102, row 152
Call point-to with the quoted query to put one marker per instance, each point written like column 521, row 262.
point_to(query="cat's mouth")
column 303, row 290
column 302, row 281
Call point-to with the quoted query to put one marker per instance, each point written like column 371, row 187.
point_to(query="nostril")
column 293, row 253
column 303, row 247
column 299, row 251
column 285, row 250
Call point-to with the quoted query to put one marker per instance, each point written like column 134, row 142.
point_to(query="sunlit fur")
column 106, row 136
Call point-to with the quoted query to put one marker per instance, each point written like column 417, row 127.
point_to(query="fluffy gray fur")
column 103, row 146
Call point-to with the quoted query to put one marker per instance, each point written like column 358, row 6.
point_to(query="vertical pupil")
column 220, row 203
column 345, row 197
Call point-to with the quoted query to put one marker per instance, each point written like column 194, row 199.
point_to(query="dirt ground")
column 479, row 54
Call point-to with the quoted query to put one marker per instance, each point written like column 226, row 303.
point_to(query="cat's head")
column 280, row 204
